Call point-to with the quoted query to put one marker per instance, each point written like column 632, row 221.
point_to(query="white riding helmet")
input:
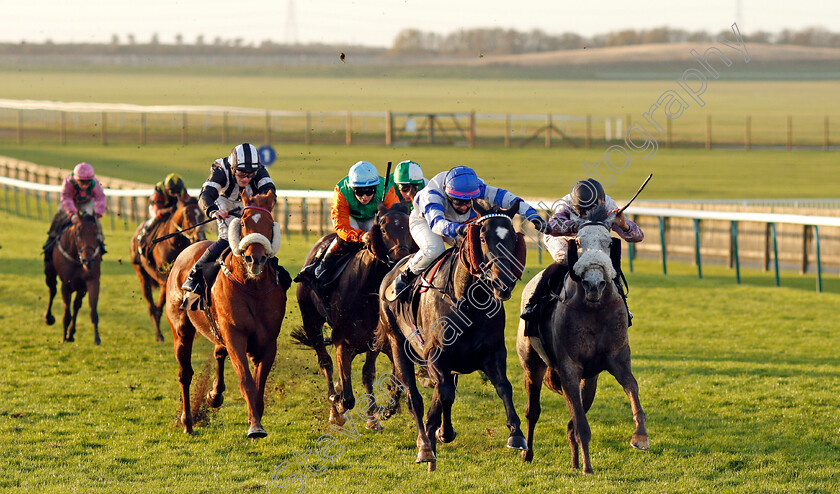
column 363, row 174
column 245, row 158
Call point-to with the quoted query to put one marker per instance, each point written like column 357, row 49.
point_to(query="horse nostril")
column 601, row 285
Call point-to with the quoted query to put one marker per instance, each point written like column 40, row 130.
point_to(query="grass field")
column 528, row 172
column 728, row 101
column 737, row 382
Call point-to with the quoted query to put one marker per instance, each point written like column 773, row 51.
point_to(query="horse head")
column 187, row 216
column 493, row 242
column 255, row 237
column 87, row 243
column 390, row 239
column 593, row 268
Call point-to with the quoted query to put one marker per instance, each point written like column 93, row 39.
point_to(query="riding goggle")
column 364, row 191
column 245, row 174
column 406, row 187
column 459, row 203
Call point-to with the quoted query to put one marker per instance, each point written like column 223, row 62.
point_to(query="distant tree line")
column 498, row 41
column 495, row 41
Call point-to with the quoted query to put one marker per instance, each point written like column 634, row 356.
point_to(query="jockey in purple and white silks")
column 441, row 211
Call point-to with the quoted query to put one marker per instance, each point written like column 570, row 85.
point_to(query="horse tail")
column 300, row 337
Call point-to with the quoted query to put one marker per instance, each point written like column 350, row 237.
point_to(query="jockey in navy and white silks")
column 442, row 209
column 229, row 178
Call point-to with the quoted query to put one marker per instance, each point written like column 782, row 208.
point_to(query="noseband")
column 77, row 238
column 491, row 258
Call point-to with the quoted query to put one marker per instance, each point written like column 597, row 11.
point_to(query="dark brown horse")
column 352, row 309
column 457, row 326
column 247, row 305
column 158, row 258
column 584, row 334
column 75, row 259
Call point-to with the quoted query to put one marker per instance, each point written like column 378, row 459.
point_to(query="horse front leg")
column 344, row 357
column 577, row 432
column 93, row 300
column 183, row 333
column 534, row 374
column 247, row 386
column 215, row 397
column 371, row 411
column 67, row 298
column 262, row 366
column 496, row 369
column 405, row 373
column 619, row 367
column 52, row 285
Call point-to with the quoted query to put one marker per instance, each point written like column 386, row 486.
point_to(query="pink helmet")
column 83, row 171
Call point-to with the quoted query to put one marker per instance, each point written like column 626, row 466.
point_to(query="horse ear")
column 513, row 209
column 481, row 206
column 381, row 209
column 572, row 258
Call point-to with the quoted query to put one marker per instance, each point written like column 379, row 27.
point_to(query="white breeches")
column 431, row 244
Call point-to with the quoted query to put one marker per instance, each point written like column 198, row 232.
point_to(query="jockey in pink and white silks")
column 81, row 193
column 441, row 211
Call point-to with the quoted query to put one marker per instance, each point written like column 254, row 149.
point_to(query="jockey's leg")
column 431, row 246
column 332, row 256
column 620, row 288
column 148, row 226
column 100, row 236
column 543, row 289
column 59, row 220
column 207, row 258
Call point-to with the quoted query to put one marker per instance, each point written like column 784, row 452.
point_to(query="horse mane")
column 598, row 213
column 593, row 258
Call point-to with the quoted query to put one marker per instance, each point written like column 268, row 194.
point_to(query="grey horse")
column 581, row 333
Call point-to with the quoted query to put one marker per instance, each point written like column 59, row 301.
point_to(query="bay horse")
column 246, row 308
column 158, row 258
column 76, row 260
column 352, row 309
column 583, row 334
column 459, row 325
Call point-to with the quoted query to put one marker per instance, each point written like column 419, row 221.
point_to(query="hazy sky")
column 377, row 22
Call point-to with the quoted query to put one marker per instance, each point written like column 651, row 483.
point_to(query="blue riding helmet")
column 462, row 183
column 363, row 174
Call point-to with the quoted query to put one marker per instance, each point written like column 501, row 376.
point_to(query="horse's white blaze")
column 501, row 232
column 256, row 218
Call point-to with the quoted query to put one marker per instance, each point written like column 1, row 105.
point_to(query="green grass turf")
column 530, row 172
column 727, row 101
column 737, row 382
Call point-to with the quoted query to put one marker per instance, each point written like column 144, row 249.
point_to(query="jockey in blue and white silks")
column 442, row 209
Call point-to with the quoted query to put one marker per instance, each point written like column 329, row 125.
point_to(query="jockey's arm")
column 263, row 182
column 67, row 193
column 435, row 213
column 210, row 191
column 632, row 233
column 340, row 215
column 504, row 199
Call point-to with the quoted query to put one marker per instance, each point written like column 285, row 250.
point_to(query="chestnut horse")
column 352, row 308
column 459, row 326
column 583, row 334
column 75, row 259
column 246, row 308
column 158, row 258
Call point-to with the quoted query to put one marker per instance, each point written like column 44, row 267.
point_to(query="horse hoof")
column 69, row 340
column 97, row 341
column 432, row 466
column 49, row 319
column 443, row 438
column 337, row 418
column 640, row 442
column 425, row 455
column 374, row 425
column 256, row 432
column 517, row 442
column 214, row 400
column 527, row 456
column 159, row 338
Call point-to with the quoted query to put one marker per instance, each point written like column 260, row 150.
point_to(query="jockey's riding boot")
column 330, row 259
column 624, row 298
column 403, row 283
column 531, row 309
column 194, row 279
column 49, row 245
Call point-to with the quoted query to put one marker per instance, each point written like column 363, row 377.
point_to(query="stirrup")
column 530, row 311
column 192, row 301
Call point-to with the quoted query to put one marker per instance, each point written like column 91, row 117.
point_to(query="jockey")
column 408, row 176
column 80, row 193
column 163, row 202
column 441, row 210
column 355, row 203
column 584, row 195
column 220, row 194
